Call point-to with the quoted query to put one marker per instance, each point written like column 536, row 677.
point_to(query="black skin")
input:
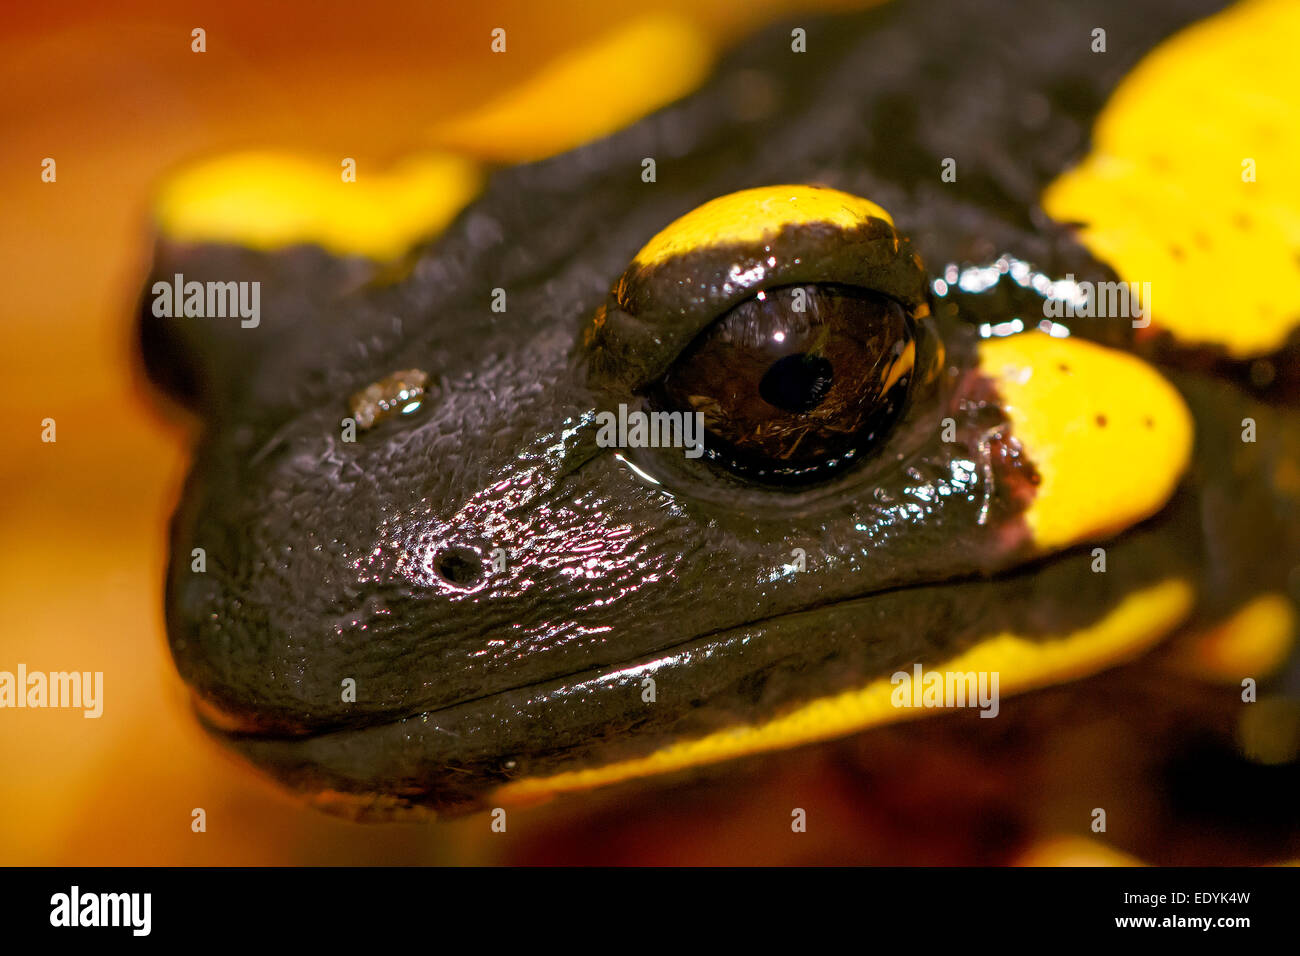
column 323, row 556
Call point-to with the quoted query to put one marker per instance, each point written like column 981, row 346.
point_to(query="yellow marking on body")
column 586, row 94
column 753, row 214
column 1253, row 642
column 1161, row 195
column 270, row 200
column 1108, row 435
column 1141, row 619
column 1074, row 851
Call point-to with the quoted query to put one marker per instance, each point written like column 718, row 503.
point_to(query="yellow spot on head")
column 1107, row 434
column 1162, row 196
column 269, row 200
column 751, row 214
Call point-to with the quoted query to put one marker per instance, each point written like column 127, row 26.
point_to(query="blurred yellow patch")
column 1164, row 196
column 269, row 200
column 1253, row 642
column 586, row 94
column 1074, row 851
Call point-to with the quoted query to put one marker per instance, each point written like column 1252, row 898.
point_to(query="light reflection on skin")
column 576, row 541
column 747, row 278
column 493, row 511
column 976, row 279
column 641, row 472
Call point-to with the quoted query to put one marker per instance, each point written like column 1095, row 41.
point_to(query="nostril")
column 459, row 567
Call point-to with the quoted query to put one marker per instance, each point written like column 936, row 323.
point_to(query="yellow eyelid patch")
column 1139, row 621
column 1108, row 435
column 270, row 200
column 609, row 84
column 749, row 215
column 1166, row 196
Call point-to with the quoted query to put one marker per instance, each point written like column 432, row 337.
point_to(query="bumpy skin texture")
column 322, row 554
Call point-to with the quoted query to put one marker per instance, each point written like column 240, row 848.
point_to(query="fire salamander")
column 992, row 347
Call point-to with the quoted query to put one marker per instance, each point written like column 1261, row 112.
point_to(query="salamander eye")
column 792, row 320
column 795, row 382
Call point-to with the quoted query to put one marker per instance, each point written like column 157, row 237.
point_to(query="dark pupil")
column 797, row 383
column 796, row 380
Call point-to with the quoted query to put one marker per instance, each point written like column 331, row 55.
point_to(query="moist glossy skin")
column 372, row 560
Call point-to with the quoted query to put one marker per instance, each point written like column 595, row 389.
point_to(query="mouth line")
column 231, row 728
